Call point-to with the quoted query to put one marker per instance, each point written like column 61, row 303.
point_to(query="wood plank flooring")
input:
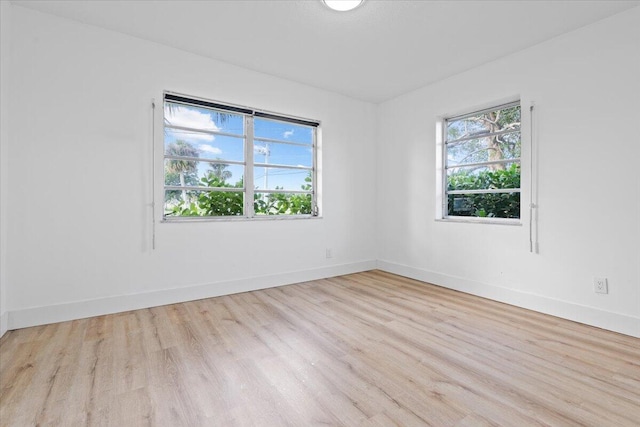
column 367, row 349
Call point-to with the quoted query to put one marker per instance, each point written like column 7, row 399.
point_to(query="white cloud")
column 209, row 149
column 187, row 117
column 288, row 134
column 260, row 149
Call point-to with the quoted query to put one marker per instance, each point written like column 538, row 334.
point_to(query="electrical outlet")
column 600, row 285
column 329, row 253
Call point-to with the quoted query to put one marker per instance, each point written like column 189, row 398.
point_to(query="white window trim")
column 248, row 191
column 441, row 206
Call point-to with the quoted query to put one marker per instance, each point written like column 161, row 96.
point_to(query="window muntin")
column 211, row 149
column 201, row 174
column 280, row 179
column 482, row 164
column 274, row 153
column 231, row 146
column 283, row 167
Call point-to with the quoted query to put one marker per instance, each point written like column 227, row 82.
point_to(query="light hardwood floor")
column 368, row 349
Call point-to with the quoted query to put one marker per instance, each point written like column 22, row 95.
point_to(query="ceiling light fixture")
column 342, row 5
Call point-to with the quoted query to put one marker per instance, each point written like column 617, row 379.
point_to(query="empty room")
column 316, row 212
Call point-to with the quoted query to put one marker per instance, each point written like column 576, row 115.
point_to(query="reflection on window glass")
column 499, row 205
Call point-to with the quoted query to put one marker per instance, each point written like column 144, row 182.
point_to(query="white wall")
column 79, row 159
column 5, row 29
column 78, row 237
column 586, row 88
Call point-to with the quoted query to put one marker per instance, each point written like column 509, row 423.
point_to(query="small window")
column 482, row 164
column 227, row 161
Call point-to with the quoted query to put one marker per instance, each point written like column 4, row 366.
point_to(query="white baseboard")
column 4, row 323
column 628, row 325
column 97, row 307
column 624, row 324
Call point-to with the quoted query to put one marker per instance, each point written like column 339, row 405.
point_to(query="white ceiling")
column 374, row 53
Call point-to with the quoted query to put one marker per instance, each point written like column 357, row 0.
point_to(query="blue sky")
column 231, row 148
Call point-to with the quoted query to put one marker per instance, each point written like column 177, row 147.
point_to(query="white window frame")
column 443, row 195
column 248, row 115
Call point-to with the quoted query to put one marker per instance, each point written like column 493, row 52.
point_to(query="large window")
column 228, row 161
column 482, row 163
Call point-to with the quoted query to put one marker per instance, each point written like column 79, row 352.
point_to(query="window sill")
column 476, row 220
column 183, row 220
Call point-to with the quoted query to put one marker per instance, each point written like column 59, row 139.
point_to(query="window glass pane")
column 487, row 122
column 202, row 118
column 282, row 204
column 191, row 203
column 484, row 178
column 500, row 147
column 284, row 131
column 282, row 154
column 486, row 136
column 178, row 142
column 202, row 174
column 499, row 205
column 267, row 178
column 208, row 178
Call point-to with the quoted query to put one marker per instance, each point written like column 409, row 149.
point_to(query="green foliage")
column 220, row 203
column 214, row 203
column 500, row 205
column 301, row 204
column 283, row 203
column 183, row 209
column 220, row 170
column 183, row 149
column 211, row 203
column 217, row 203
column 173, row 178
column 180, row 172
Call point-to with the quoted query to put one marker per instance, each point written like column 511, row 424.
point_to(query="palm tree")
column 219, row 170
column 181, row 167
